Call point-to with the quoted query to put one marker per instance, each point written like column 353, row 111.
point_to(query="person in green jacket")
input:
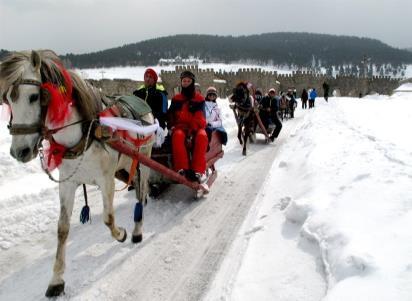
column 155, row 95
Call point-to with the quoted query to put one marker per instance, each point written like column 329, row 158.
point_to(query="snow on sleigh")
column 160, row 162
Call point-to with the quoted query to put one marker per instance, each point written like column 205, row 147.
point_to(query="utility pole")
column 102, row 72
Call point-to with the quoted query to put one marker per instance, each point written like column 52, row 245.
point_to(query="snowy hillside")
column 324, row 213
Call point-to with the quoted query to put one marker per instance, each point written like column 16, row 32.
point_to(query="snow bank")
column 407, row 87
column 356, row 160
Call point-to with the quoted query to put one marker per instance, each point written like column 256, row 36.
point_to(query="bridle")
column 34, row 128
column 26, row 129
column 40, row 127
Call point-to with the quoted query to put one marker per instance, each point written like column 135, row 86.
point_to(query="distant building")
column 191, row 61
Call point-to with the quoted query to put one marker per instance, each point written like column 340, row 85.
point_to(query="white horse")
column 23, row 76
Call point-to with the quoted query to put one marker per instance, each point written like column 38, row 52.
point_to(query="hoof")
column 244, row 152
column 137, row 238
column 55, row 290
column 124, row 236
column 154, row 191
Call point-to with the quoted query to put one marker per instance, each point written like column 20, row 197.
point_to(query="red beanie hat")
column 152, row 73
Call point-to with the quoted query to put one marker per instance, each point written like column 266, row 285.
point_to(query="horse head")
column 241, row 93
column 21, row 80
column 41, row 94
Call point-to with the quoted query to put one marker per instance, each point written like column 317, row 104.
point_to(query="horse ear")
column 35, row 60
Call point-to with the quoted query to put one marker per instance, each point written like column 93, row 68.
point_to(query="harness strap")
column 24, row 129
column 48, row 132
column 77, row 150
column 132, row 173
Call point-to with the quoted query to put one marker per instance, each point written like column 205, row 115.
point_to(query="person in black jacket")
column 304, row 98
column 268, row 113
column 292, row 103
column 325, row 87
column 155, row 95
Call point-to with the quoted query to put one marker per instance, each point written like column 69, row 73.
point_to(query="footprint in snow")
column 361, row 177
column 283, row 164
column 254, row 230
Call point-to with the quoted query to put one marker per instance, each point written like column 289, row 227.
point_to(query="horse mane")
column 11, row 69
column 52, row 70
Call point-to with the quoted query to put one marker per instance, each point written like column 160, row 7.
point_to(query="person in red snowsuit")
column 187, row 122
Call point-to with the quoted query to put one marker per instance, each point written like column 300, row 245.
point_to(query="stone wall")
column 116, row 86
column 225, row 81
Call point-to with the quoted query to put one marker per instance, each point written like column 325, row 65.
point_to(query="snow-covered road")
column 324, row 213
column 184, row 245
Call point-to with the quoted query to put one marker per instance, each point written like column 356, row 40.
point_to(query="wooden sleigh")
column 160, row 163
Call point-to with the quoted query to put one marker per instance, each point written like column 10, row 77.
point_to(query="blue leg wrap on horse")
column 138, row 212
column 85, row 214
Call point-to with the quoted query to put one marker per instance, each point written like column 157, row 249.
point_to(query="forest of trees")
column 339, row 54
column 293, row 49
column 3, row 53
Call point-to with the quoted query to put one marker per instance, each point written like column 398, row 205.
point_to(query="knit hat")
column 211, row 90
column 152, row 73
column 188, row 74
column 272, row 90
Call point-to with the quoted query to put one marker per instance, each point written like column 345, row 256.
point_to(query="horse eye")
column 34, row 97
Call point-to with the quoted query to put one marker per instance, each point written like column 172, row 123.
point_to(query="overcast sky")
column 80, row 26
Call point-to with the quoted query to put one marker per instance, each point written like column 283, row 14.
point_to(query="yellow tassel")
column 62, row 89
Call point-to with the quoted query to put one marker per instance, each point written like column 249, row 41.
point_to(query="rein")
column 47, row 133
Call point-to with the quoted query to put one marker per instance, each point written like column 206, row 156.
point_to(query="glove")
column 160, row 137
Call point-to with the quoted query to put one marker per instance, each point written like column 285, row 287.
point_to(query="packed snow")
column 330, row 219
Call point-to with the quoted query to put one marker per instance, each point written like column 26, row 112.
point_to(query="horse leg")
column 239, row 133
column 107, row 189
column 245, row 137
column 66, row 194
column 142, row 179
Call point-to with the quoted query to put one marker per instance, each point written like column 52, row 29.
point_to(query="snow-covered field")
column 324, row 213
column 137, row 72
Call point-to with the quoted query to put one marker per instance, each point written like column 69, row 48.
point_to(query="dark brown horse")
column 243, row 106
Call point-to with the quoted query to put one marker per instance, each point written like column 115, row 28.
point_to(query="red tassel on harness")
column 58, row 111
column 60, row 105
column 53, row 155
